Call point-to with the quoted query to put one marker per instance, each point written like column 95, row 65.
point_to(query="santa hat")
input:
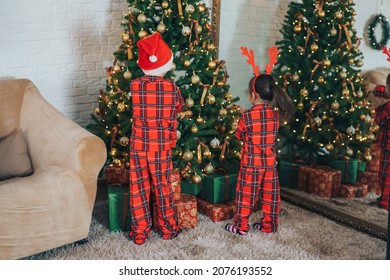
column 154, row 57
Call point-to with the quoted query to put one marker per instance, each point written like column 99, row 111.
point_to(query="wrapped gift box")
column 348, row 167
column 217, row 211
column 373, row 164
column 319, row 180
column 288, row 173
column 218, row 187
column 351, row 191
column 117, row 175
column 176, row 184
column 186, row 211
column 188, row 187
column 118, row 208
column 371, row 179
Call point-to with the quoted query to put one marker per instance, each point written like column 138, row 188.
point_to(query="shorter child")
column 382, row 119
column 258, row 176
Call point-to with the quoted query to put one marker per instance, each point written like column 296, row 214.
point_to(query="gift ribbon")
column 345, row 28
column 205, row 89
column 194, row 25
column 221, row 64
column 309, row 33
column 130, row 52
column 180, row 8
column 223, row 151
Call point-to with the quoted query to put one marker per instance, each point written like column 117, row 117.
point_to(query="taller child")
column 156, row 103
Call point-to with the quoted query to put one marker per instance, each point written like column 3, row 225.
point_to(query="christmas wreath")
column 385, row 31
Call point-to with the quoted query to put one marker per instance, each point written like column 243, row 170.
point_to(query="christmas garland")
column 385, row 31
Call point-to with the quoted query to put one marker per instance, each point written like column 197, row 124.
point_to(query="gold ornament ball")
column 125, row 37
column 187, row 156
column 345, row 92
column 161, row 27
column 295, row 77
column 343, row 74
column 165, row 4
column 324, row 117
column 355, row 50
column 333, row 32
column 141, row 18
column 127, row 75
column 199, row 29
column 194, row 129
column 187, row 63
column 199, row 119
column 113, row 151
column 338, row 15
column 195, row 79
column 359, row 93
column 117, row 162
column 297, row 28
column 212, row 64
column 189, row 114
column 142, row 34
column 372, row 112
column 228, row 96
column 209, row 168
column 362, row 117
column 210, row 46
column 189, row 102
column 201, row 8
column 124, row 141
column 371, row 136
column 314, row 47
column 304, row 92
column 359, row 63
column 223, row 112
column 121, row 107
column 234, row 125
column 300, row 106
column 349, row 152
column 320, row 80
column 190, row 9
column 335, row 106
column 196, row 179
column 208, row 26
column 318, row 121
column 321, row 13
column 351, row 61
column 329, row 147
column 327, row 62
column 358, row 137
column 97, row 111
column 211, row 99
column 207, row 153
column 117, row 68
column 368, row 157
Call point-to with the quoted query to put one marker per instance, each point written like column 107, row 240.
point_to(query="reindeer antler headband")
column 273, row 54
column 386, row 52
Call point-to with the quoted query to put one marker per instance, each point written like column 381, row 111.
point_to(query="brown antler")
column 251, row 59
column 386, row 52
column 273, row 58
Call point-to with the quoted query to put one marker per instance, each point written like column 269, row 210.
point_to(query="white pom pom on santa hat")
column 154, row 57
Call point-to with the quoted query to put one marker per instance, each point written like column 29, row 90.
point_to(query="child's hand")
column 369, row 87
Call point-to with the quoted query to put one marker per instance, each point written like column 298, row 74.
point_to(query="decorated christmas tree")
column 319, row 67
column 207, row 124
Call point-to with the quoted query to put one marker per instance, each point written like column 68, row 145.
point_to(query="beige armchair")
column 53, row 206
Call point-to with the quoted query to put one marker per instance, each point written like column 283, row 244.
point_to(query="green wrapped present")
column 288, row 173
column 348, row 168
column 219, row 187
column 361, row 165
column 118, row 208
column 189, row 187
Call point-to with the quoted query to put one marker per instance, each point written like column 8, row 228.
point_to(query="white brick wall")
column 63, row 46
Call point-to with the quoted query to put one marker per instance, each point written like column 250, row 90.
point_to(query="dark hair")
column 266, row 88
column 388, row 80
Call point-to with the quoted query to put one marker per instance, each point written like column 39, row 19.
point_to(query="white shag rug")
column 302, row 235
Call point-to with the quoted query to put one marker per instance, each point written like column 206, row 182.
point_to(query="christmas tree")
column 207, row 124
column 319, row 67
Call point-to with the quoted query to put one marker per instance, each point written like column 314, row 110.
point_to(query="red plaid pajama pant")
column 384, row 179
column 149, row 169
column 258, row 184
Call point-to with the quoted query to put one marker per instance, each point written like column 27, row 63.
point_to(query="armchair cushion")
column 15, row 161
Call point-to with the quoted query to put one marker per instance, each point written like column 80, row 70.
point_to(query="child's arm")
column 179, row 101
column 240, row 132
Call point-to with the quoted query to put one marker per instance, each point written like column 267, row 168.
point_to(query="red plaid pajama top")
column 154, row 117
column 257, row 128
column 382, row 119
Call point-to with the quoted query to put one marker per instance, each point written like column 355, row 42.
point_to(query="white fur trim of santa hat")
column 154, row 55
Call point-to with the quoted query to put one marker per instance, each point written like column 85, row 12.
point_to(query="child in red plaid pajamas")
column 258, row 176
column 156, row 103
column 382, row 119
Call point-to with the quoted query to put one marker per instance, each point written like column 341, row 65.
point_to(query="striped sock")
column 232, row 228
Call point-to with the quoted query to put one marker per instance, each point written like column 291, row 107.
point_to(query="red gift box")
column 371, row 179
column 217, row 211
column 117, row 175
column 351, row 191
column 319, row 180
column 176, row 185
column 186, row 212
column 373, row 164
